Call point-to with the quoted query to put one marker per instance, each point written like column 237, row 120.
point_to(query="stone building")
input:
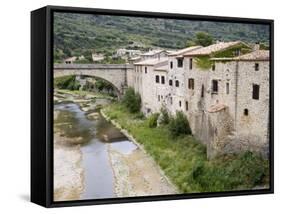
column 223, row 89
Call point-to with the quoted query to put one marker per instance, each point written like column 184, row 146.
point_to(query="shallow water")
column 125, row 147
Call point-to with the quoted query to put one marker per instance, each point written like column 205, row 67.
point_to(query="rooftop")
column 152, row 61
column 183, row 51
column 258, row 55
column 217, row 107
column 213, row 48
column 152, row 52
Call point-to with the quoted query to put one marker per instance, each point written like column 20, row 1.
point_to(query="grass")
column 184, row 159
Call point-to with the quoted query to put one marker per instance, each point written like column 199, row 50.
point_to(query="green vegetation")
column 68, row 82
column 179, row 125
column 164, row 117
column 201, row 38
column 83, row 34
column 184, row 160
column 232, row 52
column 81, row 93
column 203, row 62
column 152, row 120
column 101, row 85
column 132, row 100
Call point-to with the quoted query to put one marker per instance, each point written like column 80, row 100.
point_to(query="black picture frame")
column 42, row 105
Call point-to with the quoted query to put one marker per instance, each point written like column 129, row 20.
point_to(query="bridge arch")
column 116, row 74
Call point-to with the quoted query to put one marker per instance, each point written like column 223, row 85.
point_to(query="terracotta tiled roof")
column 152, row 52
column 152, row 61
column 217, row 107
column 185, row 50
column 213, row 48
column 259, row 55
column 255, row 55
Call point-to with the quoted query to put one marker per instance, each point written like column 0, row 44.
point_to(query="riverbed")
column 93, row 159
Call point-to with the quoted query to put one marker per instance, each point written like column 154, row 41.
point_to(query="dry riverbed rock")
column 137, row 174
column 68, row 172
column 93, row 116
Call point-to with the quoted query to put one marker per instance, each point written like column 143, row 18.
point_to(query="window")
column 227, row 88
column 237, row 52
column 256, row 92
column 180, row 63
column 186, row 105
column 213, row 67
column 158, row 98
column 190, row 63
column 171, row 64
column 179, row 103
column 171, row 100
column 191, row 83
column 171, row 82
column 215, row 87
column 202, row 90
column 145, row 69
column 157, row 79
column 246, row 112
column 177, row 83
column 162, row 79
column 257, row 66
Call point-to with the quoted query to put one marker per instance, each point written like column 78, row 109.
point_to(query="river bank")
column 184, row 159
column 137, row 174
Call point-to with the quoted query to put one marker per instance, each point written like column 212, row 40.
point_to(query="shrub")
column 132, row 100
column 179, row 125
column 164, row 117
column 152, row 120
column 140, row 116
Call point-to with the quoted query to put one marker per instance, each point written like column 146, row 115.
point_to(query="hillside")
column 80, row 34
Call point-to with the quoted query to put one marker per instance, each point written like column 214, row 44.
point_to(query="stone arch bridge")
column 116, row 74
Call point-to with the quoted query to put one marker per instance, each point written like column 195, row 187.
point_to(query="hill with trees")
column 83, row 34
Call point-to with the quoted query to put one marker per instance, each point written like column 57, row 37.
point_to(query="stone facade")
column 227, row 104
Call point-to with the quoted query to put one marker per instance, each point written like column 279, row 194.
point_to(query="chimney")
column 256, row 46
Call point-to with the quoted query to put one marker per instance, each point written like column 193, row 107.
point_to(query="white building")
column 223, row 89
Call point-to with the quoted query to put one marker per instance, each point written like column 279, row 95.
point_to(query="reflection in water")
column 98, row 173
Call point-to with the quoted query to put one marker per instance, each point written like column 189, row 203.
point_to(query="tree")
column 204, row 39
column 132, row 100
column 67, row 82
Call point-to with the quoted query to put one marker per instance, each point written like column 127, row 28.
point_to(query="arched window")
column 177, row 83
column 246, row 112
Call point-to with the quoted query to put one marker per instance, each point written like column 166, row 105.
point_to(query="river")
column 93, row 159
